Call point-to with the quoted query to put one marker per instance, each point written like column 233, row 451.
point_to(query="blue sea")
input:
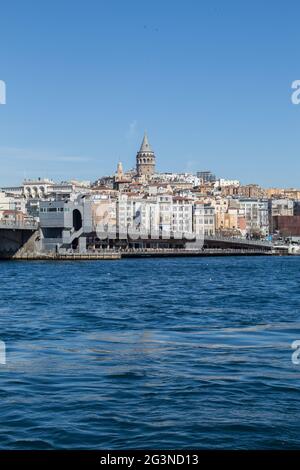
column 150, row 353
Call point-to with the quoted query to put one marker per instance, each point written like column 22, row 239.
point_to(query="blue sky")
column 209, row 80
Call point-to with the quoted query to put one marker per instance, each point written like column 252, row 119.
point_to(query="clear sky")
column 210, row 81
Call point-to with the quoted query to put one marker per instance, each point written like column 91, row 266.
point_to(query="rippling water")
column 153, row 353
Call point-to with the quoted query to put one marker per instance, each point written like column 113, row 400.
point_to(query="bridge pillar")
column 12, row 240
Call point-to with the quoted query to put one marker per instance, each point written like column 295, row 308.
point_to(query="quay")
column 66, row 256
column 172, row 253
column 138, row 253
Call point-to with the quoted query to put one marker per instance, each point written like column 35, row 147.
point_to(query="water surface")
column 150, row 353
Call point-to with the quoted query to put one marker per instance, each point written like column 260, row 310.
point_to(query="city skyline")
column 84, row 83
column 136, row 167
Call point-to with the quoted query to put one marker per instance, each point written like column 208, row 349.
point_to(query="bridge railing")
column 188, row 250
column 244, row 241
column 29, row 224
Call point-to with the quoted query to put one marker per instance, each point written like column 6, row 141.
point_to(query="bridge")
column 237, row 243
column 14, row 235
column 193, row 243
column 19, row 237
column 211, row 246
column 18, row 225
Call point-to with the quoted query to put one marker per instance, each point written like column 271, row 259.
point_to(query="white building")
column 6, row 202
column 43, row 188
column 137, row 216
column 182, row 216
column 222, row 183
column 204, row 220
column 37, row 189
column 255, row 212
column 187, row 178
column 11, row 203
column 281, row 207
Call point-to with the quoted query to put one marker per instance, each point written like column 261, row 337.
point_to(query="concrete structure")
column 14, row 235
column 65, row 223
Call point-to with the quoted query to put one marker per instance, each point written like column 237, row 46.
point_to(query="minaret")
column 145, row 159
column 120, row 170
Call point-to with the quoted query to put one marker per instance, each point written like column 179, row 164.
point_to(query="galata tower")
column 145, row 159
